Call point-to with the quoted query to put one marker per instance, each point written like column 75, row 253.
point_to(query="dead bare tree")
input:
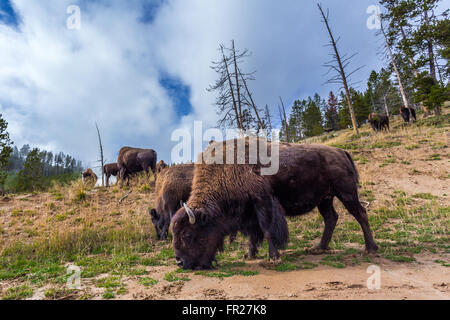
column 339, row 64
column 102, row 162
column 234, row 101
column 394, row 65
column 283, row 118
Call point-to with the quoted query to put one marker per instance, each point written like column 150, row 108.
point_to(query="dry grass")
column 403, row 175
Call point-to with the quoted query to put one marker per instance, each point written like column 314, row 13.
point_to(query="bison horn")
column 190, row 213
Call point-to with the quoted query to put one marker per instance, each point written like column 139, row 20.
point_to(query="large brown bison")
column 230, row 198
column 379, row 121
column 133, row 160
column 89, row 177
column 160, row 166
column 408, row 114
column 172, row 186
column 110, row 169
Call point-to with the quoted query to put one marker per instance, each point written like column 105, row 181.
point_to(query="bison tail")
column 353, row 166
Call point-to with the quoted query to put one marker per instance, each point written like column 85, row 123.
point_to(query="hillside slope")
column 404, row 181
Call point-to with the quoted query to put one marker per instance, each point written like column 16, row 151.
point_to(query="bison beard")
column 230, row 198
column 172, row 186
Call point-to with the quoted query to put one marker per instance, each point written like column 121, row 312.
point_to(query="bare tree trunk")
column 251, row 100
column 410, row 58
column 230, row 83
column 397, row 73
column 101, row 155
column 341, row 71
column 285, row 121
column 238, row 87
column 386, row 105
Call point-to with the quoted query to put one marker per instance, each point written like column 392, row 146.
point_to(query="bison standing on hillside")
column 379, row 121
column 110, row 169
column 233, row 197
column 408, row 114
column 89, row 177
column 172, row 186
column 160, row 166
column 133, row 160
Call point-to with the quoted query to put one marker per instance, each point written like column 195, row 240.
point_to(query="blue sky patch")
column 178, row 92
column 150, row 9
column 7, row 14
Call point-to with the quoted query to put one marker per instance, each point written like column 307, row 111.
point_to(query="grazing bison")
column 408, row 114
column 379, row 121
column 89, row 177
column 230, row 198
column 160, row 166
column 133, row 160
column 172, row 186
column 110, row 169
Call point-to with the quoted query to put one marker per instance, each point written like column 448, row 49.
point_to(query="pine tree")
column 331, row 113
column 30, row 177
column 5, row 152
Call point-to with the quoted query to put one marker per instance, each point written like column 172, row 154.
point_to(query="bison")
column 133, row 160
column 172, row 186
column 408, row 114
column 379, row 121
column 236, row 197
column 110, row 169
column 89, row 177
column 160, row 166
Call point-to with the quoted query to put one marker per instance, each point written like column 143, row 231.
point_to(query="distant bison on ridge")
column 89, row 177
column 379, row 121
column 172, row 186
column 160, row 166
column 110, row 169
column 133, row 160
column 408, row 114
column 230, row 198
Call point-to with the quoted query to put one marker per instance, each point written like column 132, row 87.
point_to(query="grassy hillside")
column 404, row 181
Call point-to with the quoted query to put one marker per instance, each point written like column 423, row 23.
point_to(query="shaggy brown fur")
column 230, row 198
column 160, row 166
column 110, row 169
column 379, row 121
column 90, row 177
column 132, row 160
column 172, row 186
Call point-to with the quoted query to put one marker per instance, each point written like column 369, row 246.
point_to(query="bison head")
column 161, row 223
column 196, row 239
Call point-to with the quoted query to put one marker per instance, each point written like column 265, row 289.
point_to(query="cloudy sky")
column 140, row 69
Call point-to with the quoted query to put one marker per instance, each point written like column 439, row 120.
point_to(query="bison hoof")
column 372, row 249
column 318, row 250
column 248, row 256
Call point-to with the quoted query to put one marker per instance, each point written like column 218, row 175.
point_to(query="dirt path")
column 423, row 280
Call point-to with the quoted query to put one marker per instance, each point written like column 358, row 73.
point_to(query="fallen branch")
column 124, row 197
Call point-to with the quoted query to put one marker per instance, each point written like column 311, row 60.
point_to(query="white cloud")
column 55, row 83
